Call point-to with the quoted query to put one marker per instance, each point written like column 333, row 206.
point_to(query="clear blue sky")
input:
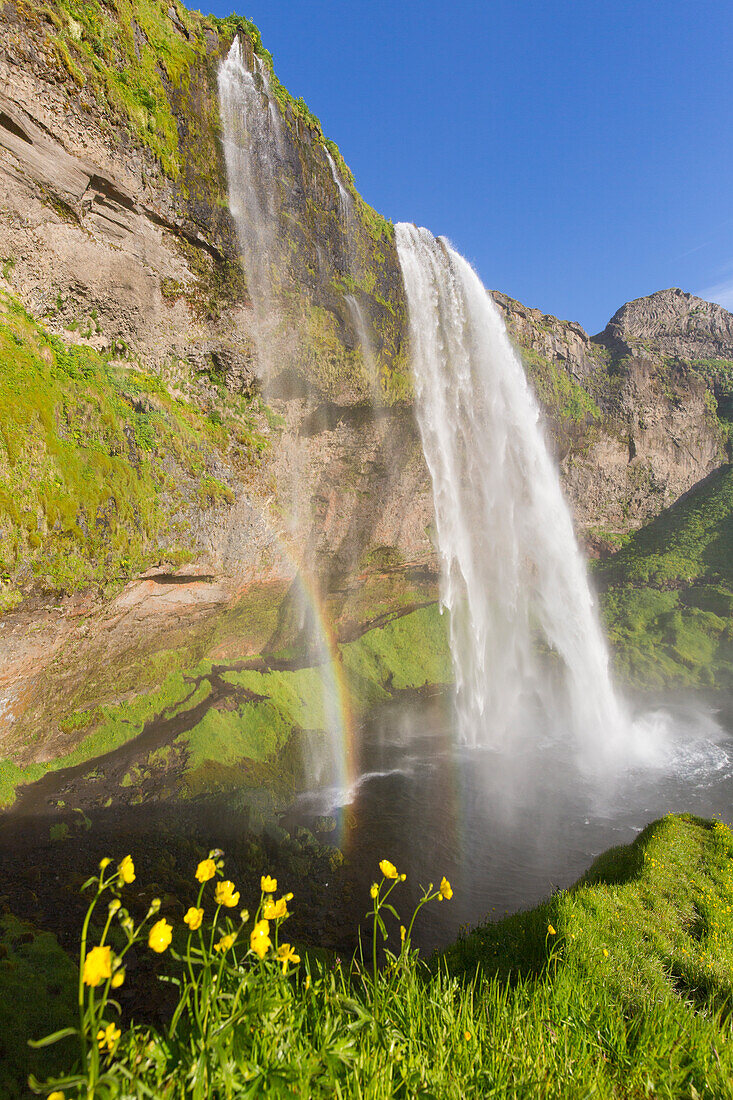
column 580, row 154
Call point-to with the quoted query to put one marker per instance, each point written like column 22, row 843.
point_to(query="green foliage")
column 37, row 987
column 557, row 391
column 620, row 986
column 667, row 594
column 86, row 453
column 131, row 56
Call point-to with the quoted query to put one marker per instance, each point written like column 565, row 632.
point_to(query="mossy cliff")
column 146, row 485
column 124, row 98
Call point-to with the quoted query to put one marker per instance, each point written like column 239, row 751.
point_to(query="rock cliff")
column 158, row 496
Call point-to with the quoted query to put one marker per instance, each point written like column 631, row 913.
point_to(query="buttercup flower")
column 605, row 951
column 285, row 955
column 118, row 978
column 108, row 1036
column 193, row 918
column 103, row 865
column 58, row 1095
column 126, row 870
column 374, row 890
column 205, row 870
column 225, row 894
column 225, row 942
column 388, row 869
column 467, row 1036
column 551, row 931
column 97, row 965
column 403, row 933
column 268, row 885
column 160, row 936
column 275, row 910
column 259, row 939
column 446, row 890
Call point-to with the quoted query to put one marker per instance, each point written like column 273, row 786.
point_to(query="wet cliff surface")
column 150, row 472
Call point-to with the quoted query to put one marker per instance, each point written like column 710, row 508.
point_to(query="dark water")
column 509, row 828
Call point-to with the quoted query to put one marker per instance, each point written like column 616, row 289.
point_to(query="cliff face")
column 634, row 419
column 158, row 495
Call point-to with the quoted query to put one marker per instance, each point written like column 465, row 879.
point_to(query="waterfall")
column 257, row 170
column 345, row 200
column 526, row 641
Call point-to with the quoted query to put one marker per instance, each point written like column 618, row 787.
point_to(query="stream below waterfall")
column 507, row 829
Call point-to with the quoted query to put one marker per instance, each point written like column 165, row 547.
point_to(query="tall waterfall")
column 257, row 169
column 526, row 641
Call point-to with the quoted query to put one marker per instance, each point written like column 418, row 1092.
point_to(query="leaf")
column 56, row 1037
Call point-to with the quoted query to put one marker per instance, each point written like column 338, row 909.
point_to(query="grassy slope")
column 632, row 995
column 667, row 595
column 96, row 459
column 617, row 988
column 226, row 747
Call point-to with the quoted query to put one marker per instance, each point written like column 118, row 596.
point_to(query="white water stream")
column 525, row 637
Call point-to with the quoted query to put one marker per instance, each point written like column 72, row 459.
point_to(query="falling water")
column 255, row 154
column 260, row 176
column 525, row 637
column 346, row 202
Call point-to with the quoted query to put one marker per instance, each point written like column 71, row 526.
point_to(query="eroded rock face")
column 672, row 323
column 638, row 428
column 106, row 246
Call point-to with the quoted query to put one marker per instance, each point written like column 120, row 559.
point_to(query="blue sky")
column 580, row 154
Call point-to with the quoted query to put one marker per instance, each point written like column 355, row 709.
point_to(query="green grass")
column 37, row 990
column 226, row 745
column 667, row 594
column 620, row 987
column 96, row 459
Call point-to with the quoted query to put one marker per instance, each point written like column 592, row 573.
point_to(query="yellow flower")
column 193, row 918
column 285, row 955
column 160, row 936
column 551, row 931
column 605, row 952
column 97, row 965
column 205, row 870
column 275, row 910
column 126, row 870
column 259, row 939
column 403, row 933
column 446, row 891
column 58, row 1095
column 103, row 865
column 374, row 890
column 467, row 1036
column 388, row 869
column 225, row 942
column 118, row 978
column 224, row 894
column 268, row 885
column 107, row 1037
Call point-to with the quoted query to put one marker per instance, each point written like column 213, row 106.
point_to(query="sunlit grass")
column 619, row 987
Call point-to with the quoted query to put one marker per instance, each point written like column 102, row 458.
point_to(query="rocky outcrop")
column 636, row 426
column 115, row 232
column 670, row 323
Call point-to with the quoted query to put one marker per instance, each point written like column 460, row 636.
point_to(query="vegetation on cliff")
column 101, row 459
column 667, row 595
column 619, row 986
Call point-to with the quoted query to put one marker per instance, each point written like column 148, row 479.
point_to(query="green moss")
column 557, row 391
column 667, row 595
column 86, row 453
column 37, row 993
